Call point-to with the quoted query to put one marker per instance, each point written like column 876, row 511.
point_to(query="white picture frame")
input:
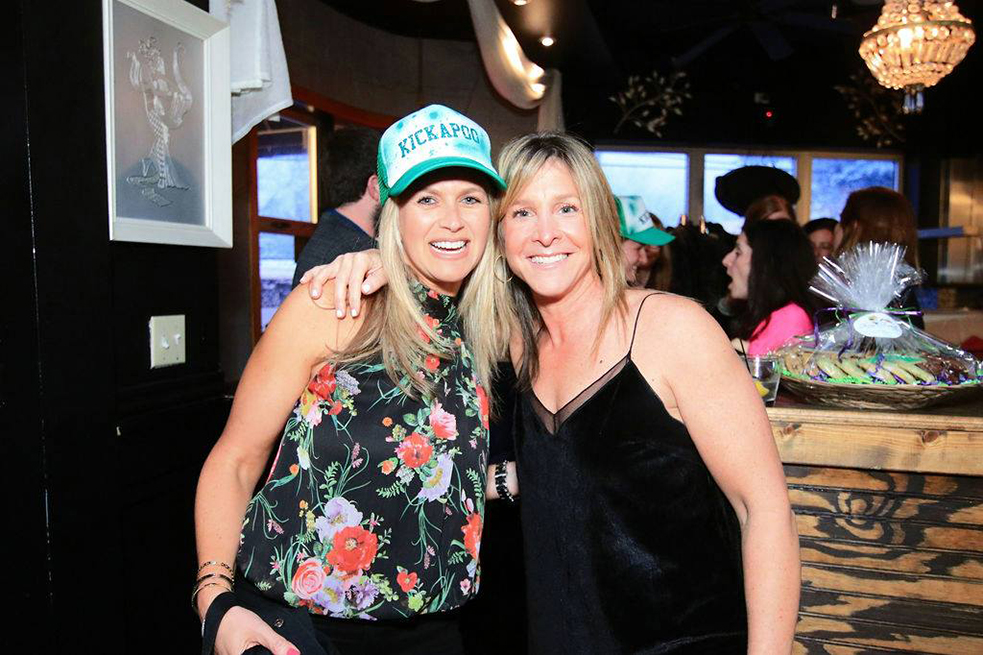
column 168, row 123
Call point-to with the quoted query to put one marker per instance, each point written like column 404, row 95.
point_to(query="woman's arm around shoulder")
column 686, row 356
column 354, row 274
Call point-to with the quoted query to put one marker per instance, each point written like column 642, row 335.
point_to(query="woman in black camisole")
column 655, row 515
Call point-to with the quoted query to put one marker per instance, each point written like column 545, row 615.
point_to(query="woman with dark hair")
column 881, row 215
column 821, row 233
column 770, row 268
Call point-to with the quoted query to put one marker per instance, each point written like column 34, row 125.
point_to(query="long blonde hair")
column 394, row 320
column 520, row 161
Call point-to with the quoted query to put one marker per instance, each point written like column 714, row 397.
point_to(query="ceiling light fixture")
column 547, row 41
column 914, row 45
column 520, row 3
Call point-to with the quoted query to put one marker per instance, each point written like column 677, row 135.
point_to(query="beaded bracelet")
column 217, row 563
column 501, row 472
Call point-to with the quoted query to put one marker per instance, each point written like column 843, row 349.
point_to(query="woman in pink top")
column 770, row 269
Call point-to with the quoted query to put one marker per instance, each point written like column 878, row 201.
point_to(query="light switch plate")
column 167, row 340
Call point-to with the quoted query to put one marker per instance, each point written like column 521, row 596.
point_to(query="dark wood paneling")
column 891, row 562
column 160, row 460
column 960, row 619
column 20, row 388
column 63, row 85
column 853, row 480
column 107, row 451
column 892, row 559
column 235, row 270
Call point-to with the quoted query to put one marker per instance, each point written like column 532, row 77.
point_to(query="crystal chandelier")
column 914, row 45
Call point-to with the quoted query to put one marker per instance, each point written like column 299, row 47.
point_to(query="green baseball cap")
column 636, row 224
column 431, row 138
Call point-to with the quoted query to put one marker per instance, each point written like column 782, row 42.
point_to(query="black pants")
column 437, row 634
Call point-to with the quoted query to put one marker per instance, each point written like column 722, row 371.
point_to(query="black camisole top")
column 630, row 545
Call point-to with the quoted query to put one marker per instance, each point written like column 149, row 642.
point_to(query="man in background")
column 349, row 182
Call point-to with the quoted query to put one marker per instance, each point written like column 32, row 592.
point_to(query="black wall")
column 104, row 452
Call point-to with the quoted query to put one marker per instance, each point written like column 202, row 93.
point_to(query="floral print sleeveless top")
column 375, row 502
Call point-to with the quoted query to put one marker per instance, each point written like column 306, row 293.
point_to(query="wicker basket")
column 876, row 396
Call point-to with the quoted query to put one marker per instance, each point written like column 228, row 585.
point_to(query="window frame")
column 803, row 167
column 308, row 122
column 343, row 115
column 258, row 224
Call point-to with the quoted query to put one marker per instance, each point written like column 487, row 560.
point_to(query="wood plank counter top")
column 889, row 509
column 946, row 440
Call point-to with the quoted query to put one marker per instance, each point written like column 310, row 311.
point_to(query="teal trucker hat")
column 431, row 138
column 636, row 224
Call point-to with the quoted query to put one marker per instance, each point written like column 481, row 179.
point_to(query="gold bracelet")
column 217, row 563
column 198, row 588
column 215, row 575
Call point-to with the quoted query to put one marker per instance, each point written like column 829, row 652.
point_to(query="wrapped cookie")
column 862, row 339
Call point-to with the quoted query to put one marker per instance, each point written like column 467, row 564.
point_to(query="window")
column 286, row 170
column 660, row 178
column 716, row 165
column 282, row 209
column 277, row 261
column 834, row 179
column 682, row 180
column 285, row 207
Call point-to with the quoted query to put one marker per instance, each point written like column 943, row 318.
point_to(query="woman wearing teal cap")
column 365, row 534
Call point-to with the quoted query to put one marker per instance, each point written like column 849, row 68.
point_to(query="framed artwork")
column 168, row 123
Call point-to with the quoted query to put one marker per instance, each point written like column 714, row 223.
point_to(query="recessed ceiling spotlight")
column 520, row 3
column 547, row 41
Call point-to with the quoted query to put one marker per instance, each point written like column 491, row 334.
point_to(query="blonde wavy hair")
column 520, row 161
column 393, row 318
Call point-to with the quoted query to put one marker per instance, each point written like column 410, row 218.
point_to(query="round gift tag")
column 876, row 324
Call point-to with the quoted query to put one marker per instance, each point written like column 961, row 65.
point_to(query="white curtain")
column 260, row 81
column 518, row 80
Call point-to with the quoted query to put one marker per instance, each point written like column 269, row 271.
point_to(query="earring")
column 499, row 258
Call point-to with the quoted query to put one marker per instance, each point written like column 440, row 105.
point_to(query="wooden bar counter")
column 889, row 507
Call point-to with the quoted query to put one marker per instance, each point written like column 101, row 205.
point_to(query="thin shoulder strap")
column 634, row 330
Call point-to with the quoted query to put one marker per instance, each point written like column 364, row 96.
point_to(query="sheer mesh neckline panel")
column 553, row 422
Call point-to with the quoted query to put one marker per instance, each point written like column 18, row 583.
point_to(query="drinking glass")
column 766, row 374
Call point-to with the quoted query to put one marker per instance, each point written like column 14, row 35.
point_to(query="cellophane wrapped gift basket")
column 865, row 354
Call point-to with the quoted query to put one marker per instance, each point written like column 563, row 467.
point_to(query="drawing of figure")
column 165, row 102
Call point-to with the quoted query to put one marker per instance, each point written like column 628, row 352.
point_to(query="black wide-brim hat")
column 742, row 186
